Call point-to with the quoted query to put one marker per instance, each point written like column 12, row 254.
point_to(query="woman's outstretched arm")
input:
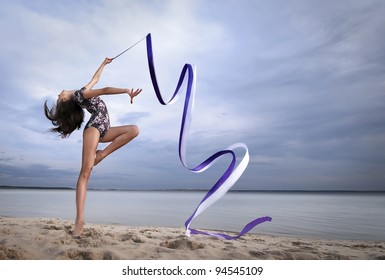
column 98, row 73
column 89, row 93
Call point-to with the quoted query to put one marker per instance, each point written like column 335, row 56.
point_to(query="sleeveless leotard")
column 98, row 110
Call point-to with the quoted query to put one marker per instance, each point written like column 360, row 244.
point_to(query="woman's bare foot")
column 98, row 157
column 78, row 229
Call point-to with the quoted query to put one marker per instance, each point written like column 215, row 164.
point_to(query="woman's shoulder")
column 78, row 95
column 80, row 91
column 81, row 100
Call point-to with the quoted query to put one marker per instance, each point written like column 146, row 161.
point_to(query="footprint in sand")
column 133, row 237
column 182, row 244
column 9, row 254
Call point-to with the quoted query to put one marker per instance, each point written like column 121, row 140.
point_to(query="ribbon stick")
column 116, row 56
column 232, row 173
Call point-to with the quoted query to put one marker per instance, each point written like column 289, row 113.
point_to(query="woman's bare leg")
column 90, row 143
column 118, row 136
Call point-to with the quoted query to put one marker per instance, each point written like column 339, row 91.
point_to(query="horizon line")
column 183, row 189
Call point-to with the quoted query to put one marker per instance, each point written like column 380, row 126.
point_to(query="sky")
column 301, row 83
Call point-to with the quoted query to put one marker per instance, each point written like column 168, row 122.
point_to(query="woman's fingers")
column 134, row 93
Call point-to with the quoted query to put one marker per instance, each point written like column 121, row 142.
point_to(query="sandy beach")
column 50, row 239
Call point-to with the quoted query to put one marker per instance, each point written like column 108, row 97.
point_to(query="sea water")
column 331, row 215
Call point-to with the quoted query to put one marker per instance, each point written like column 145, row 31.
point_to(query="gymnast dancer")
column 68, row 115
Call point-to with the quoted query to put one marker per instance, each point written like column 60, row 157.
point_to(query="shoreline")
column 6, row 187
column 50, row 239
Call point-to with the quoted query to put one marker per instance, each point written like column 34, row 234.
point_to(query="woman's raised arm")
column 98, row 73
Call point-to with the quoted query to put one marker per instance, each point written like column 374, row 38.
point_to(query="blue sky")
column 302, row 83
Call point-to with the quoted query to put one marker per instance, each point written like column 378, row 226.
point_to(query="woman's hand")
column 107, row 60
column 133, row 93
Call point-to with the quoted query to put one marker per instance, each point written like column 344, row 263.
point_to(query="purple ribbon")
column 232, row 173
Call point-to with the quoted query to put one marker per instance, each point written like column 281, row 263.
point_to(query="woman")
column 68, row 115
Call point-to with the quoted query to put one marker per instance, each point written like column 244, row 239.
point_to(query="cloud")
column 36, row 175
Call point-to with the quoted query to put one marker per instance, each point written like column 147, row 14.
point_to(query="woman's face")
column 64, row 96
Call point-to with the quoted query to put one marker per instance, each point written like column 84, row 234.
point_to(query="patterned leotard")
column 98, row 110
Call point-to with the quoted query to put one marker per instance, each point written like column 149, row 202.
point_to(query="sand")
column 50, row 239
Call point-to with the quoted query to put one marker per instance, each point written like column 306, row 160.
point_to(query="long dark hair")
column 66, row 117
